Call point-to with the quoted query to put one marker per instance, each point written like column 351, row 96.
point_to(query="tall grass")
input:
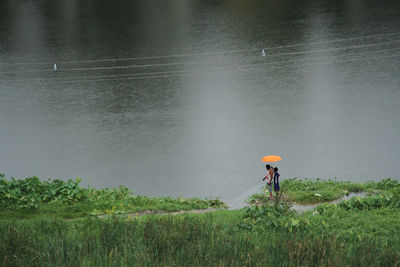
column 195, row 240
column 357, row 232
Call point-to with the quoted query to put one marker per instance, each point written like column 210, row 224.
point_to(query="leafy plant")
column 31, row 192
column 68, row 199
column 267, row 217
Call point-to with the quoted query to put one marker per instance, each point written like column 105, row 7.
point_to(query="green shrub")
column 32, row 197
column 31, row 192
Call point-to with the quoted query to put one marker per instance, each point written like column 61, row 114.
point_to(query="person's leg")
column 276, row 189
column 270, row 192
column 265, row 191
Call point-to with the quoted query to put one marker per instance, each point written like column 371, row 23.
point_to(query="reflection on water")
column 175, row 98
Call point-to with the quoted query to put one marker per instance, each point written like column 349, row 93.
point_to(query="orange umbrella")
column 271, row 158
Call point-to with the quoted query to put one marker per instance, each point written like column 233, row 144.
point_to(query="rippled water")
column 175, row 97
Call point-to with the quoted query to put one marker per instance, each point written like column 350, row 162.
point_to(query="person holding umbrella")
column 269, row 177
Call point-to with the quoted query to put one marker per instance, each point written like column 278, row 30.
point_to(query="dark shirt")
column 276, row 182
column 276, row 178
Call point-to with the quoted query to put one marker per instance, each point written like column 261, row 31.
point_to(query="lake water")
column 176, row 98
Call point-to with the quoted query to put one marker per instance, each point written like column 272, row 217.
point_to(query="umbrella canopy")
column 271, row 158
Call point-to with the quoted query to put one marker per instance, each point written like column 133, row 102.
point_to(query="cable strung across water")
column 204, row 54
column 222, row 70
column 294, row 61
column 197, row 62
column 242, row 68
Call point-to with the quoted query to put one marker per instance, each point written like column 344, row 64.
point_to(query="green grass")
column 309, row 191
column 33, row 198
column 193, row 239
column 357, row 232
column 375, row 216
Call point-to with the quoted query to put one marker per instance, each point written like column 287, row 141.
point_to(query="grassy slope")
column 316, row 191
column 192, row 239
column 359, row 232
column 33, row 198
column 86, row 208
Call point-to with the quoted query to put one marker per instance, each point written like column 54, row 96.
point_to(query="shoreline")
column 31, row 197
column 363, row 223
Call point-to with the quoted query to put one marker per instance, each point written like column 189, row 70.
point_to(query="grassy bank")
column 309, row 191
column 31, row 198
column 356, row 232
column 198, row 240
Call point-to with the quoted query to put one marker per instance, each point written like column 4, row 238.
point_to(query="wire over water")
column 215, row 70
column 174, row 72
column 135, row 66
column 205, row 54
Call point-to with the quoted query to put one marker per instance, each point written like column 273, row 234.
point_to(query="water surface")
column 175, row 98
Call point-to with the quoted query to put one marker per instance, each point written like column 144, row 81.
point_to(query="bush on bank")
column 33, row 197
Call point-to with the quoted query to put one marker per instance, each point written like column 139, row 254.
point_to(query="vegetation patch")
column 216, row 239
column 309, row 191
column 32, row 197
column 352, row 225
column 355, row 232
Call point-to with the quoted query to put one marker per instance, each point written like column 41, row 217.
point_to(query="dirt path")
column 299, row 208
column 150, row 212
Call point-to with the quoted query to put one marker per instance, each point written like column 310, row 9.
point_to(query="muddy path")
column 299, row 208
column 150, row 212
